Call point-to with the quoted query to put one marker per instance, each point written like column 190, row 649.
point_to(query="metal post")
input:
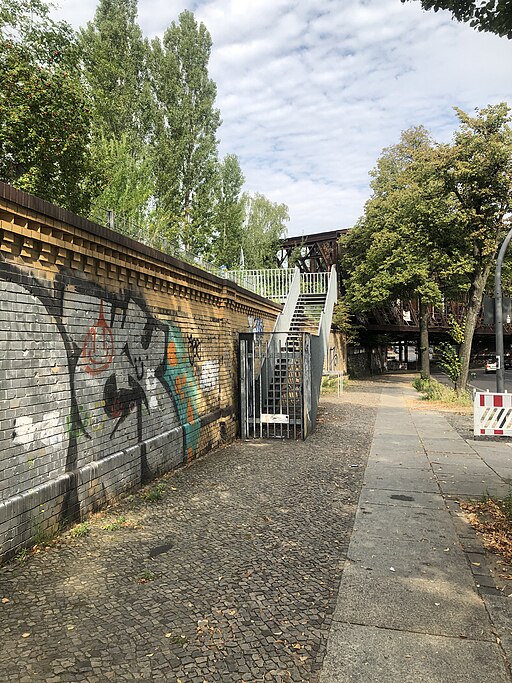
column 498, row 316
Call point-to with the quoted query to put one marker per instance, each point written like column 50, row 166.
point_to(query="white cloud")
column 310, row 91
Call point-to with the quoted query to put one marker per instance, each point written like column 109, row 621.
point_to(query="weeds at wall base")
column 434, row 391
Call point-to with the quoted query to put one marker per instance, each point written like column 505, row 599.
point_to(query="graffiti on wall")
column 126, row 371
column 194, row 348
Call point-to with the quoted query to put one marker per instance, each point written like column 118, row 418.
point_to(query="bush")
column 433, row 390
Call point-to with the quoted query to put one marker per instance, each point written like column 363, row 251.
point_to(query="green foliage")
column 392, row 252
column 449, row 361
column 433, row 390
column 342, row 321
column 265, row 226
column 27, row 23
column 475, row 172
column 107, row 121
column 435, row 221
column 494, row 16
column 229, row 214
column 456, row 329
column 22, row 556
column 147, row 576
column 186, row 162
column 127, row 185
column 44, row 114
column 81, row 530
column 117, row 524
column 154, row 493
column 115, row 66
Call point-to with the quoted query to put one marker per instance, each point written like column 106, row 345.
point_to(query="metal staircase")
column 307, row 313
column 281, row 372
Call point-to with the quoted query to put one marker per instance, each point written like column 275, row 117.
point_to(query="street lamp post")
column 498, row 316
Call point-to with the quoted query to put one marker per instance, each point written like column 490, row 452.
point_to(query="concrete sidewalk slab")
column 474, row 488
column 399, row 498
column 378, row 655
column 432, row 605
column 444, row 445
column 410, row 608
column 404, row 524
column 409, row 479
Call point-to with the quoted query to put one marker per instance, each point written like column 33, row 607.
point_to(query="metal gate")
column 275, row 385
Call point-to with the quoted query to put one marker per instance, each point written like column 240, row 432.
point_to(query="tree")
column 115, row 66
column 115, row 59
column 127, row 185
column 186, row 144
column 229, row 213
column 44, row 114
column 394, row 250
column 438, row 227
column 476, row 173
column 264, row 227
column 494, row 16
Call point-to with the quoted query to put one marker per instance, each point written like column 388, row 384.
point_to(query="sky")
column 311, row 91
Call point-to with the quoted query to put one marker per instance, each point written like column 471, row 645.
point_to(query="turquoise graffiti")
column 182, row 384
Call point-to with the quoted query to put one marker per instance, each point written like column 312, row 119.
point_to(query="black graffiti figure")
column 119, row 403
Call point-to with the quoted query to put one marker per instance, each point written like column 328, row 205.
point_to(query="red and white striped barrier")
column 492, row 414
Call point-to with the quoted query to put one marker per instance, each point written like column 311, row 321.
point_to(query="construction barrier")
column 492, row 414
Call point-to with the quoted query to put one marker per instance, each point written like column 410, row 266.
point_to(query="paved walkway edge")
column 408, row 607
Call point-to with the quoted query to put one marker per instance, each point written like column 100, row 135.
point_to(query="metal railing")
column 272, row 284
column 314, row 283
column 275, row 283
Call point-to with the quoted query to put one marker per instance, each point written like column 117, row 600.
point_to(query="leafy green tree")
column 393, row 253
column 44, row 113
column 229, row 213
column 494, row 16
column 127, row 185
column 186, row 160
column 115, row 66
column 264, row 227
column 475, row 172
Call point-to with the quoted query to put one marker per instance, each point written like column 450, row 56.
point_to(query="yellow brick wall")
column 117, row 363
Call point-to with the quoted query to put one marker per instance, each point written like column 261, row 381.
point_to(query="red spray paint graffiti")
column 98, row 348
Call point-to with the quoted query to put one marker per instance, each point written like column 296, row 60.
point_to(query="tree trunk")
column 476, row 294
column 424, row 345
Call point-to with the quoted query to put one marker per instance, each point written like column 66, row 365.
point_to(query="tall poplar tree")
column 115, row 66
column 229, row 213
column 186, row 159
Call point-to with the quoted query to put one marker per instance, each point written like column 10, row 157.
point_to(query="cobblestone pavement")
column 230, row 574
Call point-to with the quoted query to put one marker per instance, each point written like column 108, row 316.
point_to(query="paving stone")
column 259, row 533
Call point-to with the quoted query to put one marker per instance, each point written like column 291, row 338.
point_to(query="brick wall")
column 117, row 363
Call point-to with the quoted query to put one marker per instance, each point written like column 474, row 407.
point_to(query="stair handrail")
column 324, row 326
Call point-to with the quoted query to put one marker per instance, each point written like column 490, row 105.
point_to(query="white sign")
column 274, row 418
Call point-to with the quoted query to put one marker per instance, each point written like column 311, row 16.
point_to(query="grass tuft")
column 433, row 390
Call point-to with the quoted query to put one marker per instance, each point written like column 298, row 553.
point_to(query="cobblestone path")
column 226, row 571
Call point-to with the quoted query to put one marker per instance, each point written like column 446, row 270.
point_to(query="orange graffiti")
column 179, row 384
column 190, row 454
column 172, row 355
column 98, row 348
column 190, row 412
